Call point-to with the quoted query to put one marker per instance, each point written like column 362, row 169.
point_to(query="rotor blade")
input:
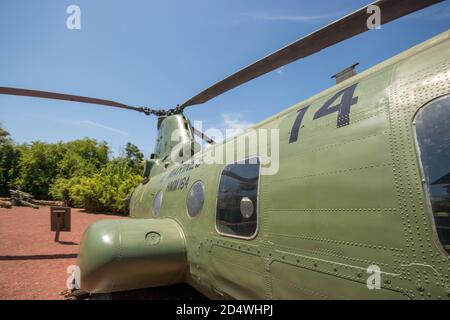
column 203, row 136
column 69, row 97
column 340, row 30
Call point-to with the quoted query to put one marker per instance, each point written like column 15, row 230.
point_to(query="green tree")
column 9, row 159
column 82, row 157
column 135, row 157
column 38, row 168
column 4, row 135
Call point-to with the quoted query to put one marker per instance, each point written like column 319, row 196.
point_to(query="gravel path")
column 32, row 265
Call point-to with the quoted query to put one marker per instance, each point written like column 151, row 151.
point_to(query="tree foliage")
column 79, row 172
column 9, row 161
column 38, row 168
column 134, row 157
column 82, row 157
column 107, row 189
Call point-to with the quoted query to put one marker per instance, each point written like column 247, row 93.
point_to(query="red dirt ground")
column 32, row 265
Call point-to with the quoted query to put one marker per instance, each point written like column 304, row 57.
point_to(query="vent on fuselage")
column 345, row 74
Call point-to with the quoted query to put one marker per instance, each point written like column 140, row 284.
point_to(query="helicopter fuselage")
column 346, row 215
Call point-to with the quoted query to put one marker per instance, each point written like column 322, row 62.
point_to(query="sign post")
column 59, row 220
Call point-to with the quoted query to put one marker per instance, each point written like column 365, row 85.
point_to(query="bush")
column 104, row 191
column 61, row 189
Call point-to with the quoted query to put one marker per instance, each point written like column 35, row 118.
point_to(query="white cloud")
column 280, row 70
column 61, row 120
column 233, row 123
column 101, row 126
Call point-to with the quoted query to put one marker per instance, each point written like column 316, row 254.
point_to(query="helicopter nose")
column 120, row 255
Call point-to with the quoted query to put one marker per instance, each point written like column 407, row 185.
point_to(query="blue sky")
column 160, row 53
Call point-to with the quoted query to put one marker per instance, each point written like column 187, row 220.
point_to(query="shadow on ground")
column 39, row 257
column 104, row 213
column 174, row 292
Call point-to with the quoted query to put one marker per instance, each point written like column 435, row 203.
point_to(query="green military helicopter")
column 357, row 208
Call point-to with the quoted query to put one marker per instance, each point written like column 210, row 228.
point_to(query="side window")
column 432, row 126
column 237, row 199
column 195, row 199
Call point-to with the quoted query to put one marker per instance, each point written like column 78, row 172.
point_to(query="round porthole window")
column 157, row 202
column 246, row 207
column 196, row 199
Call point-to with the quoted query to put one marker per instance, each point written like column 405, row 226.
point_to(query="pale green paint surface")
column 140, row 253
column 343, row 199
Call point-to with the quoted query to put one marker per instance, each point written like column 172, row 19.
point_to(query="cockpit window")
column 237, row 199
column 432, row 125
